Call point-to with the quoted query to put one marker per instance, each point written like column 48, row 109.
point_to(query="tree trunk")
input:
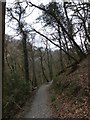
column 49, row 64
column 2, row 38
column 70, row 36
column 60, row 55
column 26, row 64
column 41, row 60
column 69, row 61
column 34, row 81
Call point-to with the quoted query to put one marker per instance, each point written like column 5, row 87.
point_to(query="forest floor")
column 66, row 97
column 70, row 92
column 39, row 105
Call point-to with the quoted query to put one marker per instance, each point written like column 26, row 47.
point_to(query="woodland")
column 66, row 26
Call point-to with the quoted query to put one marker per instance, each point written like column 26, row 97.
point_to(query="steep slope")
column 70, row 92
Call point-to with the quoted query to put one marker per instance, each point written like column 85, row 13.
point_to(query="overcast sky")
column 35, row 13
column 31, row 18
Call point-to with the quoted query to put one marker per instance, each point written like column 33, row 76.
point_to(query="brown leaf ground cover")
column 70, row 93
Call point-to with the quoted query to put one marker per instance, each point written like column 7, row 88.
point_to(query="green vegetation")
column 72, row 93
column 28, row 65
column 53, row 98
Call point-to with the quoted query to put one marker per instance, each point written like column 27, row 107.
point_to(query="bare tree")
column 2, row 38
column 42, row 66
column 16, row 13
column 49, row 60
column 34, row 80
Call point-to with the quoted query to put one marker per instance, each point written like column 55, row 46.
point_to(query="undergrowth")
column 68, row 88
column 15, row 94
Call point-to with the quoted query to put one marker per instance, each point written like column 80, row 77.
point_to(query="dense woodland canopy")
column 27, row 66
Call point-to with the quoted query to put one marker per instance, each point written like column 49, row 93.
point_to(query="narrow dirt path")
column 40, row 107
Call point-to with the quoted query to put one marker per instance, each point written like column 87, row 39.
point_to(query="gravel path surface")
column 40, row 107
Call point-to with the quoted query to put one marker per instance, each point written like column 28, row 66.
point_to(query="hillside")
column 69, row 93
column 48, row 42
